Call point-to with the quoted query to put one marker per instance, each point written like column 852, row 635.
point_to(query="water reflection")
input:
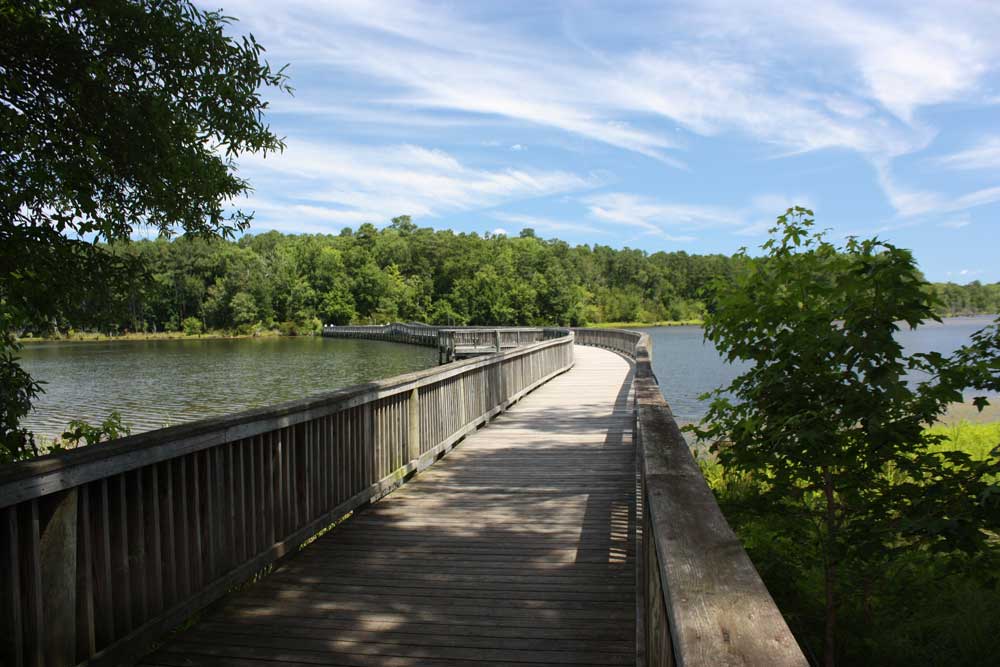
column 160, row 383
column 687, row 366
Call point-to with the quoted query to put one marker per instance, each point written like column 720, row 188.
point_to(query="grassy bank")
column 645, row 325
column 919, row 607
column 86, row 336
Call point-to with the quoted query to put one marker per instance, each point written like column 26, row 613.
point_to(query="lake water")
column 159, row 383
column 687, row 366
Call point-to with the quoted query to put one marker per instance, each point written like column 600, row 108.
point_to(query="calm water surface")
column 159, row 383
column 687, row 366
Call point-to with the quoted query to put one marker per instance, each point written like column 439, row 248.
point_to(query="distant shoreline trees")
column 292, row 283
column 401, row 273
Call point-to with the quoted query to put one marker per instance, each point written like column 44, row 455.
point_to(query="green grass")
column 92, row 337
column 644, row 325
column 977, row 440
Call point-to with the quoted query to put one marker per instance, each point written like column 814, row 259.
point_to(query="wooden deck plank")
column 517, row 548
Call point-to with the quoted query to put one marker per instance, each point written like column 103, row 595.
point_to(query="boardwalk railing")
column 414, row 333
column 701, row 601
column 105, row 548
column 452, row 342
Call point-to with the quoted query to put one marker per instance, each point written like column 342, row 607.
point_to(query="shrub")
column 192, row 326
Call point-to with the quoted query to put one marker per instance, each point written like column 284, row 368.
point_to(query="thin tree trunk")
column 830, row 573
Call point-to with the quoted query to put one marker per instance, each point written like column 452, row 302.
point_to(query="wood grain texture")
column 517, row 548
column 702, row 601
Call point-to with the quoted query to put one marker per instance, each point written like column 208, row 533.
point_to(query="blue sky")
column 661, row 126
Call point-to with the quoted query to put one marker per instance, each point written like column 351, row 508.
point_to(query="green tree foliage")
column 192, row 326
column 80, row 432
column 968, row 299
column 826, row 426
column 114, row 114
column 400, row 272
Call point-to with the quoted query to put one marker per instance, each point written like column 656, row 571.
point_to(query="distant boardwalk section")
column 452, row 343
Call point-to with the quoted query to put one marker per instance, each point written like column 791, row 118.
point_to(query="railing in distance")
column 701, row 601
column 103, row 549
column 452, row 342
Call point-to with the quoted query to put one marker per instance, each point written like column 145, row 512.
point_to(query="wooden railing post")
column 413, row 439
column 57, row 556
column 496, row 339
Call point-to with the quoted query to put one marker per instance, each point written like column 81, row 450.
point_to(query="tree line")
column 398, row 273
column 970, row 299
column 402, row 272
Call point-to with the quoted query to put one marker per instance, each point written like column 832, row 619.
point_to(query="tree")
column 337, row 306
column 244, row 310
column 114, row 114
column 826, row 422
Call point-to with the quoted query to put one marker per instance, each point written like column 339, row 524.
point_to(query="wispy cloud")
column 675, row 221
column 348, row 184
column 957, row 222
column 911, row 202
column 432, row 57
column 785, row 78
column 986, row 155
column 548, row 224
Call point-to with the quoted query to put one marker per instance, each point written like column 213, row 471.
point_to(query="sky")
column 661, row 126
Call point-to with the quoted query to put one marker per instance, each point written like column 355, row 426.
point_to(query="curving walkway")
column 517, row 548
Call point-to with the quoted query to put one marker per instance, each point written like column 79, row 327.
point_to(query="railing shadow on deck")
column 495, row 608
column 103, row 549
column 314, row 592
column 701, row 601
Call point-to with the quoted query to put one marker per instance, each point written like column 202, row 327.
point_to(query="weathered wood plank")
column 518, row 547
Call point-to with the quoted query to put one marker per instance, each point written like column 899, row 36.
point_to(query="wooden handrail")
column 451, row 342
column 104, row 548
column 700, row 600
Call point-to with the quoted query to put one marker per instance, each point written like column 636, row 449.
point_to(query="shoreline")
column 967, row 412
column 140, row 337
column 646, row 325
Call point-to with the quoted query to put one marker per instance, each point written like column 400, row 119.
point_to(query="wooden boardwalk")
column 517, row 548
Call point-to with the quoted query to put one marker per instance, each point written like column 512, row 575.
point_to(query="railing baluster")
column 153, row 528
column 103, row 582
column 135, row 514
column 85, row 639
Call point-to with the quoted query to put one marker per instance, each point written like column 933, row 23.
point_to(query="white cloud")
column 965, row 273
column 654, row 215
column 957, row 222
column 984, row 156
column 911, row 58
column 795, row 77
column 431, row 57
column 548, row 224
column 664, row 219
column 910, row 202
column 348, row 184
column 906, row 201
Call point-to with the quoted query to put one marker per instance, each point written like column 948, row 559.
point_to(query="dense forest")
column 405, row 273
column 970, row 299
